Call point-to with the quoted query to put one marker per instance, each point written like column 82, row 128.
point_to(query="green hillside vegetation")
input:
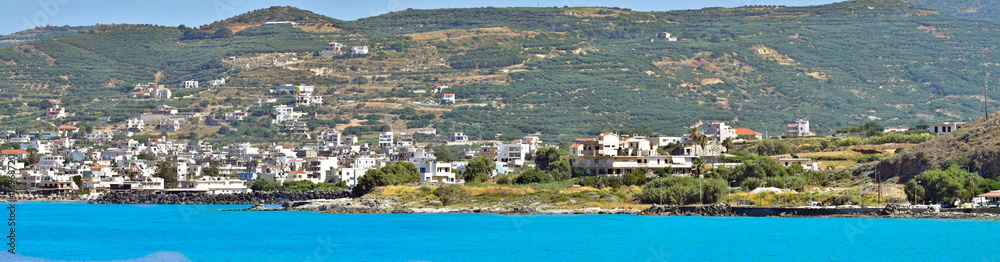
column 980, row 9
column 561, row 72
column 38, row 33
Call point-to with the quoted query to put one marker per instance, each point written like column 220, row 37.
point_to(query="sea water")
column 78, row 231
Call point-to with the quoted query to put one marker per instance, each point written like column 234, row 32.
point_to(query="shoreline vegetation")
column 523, row 201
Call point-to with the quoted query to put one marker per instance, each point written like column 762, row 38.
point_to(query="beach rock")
column 252, row 198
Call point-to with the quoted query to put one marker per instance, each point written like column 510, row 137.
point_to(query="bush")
column 533, row 175
column 504, row 180
column 265, row 184
column 682, row 190
column 448, row 194
column 843, row 200
column 752, row 183
column 769, row 147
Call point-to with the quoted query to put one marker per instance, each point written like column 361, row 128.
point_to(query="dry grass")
column 498, row 190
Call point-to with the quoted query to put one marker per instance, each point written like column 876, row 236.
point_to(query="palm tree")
column 696, row 137
column 727, row 143
column 702, row 141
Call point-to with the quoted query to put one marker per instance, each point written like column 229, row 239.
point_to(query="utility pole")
column 986, row 98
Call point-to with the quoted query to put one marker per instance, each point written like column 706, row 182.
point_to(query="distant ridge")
column 273, row 14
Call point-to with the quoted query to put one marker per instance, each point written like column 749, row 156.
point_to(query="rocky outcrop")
column 253, row 198
column 363, row 205
column 671, row 210
column 979, row 141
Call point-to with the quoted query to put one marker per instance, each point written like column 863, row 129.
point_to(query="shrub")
column 448, row 194
column 682, row 190
column 752, row 183
column 533, row 175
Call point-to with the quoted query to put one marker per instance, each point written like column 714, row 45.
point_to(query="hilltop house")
column 161, row 93
column 55, row 112
column 284, row 113
column 135, row 124
column 459, row 137
column 189, row 84
column 799, row 127
column 450, row 98
column 944, row 128
column 332, row 49
column 359, row 50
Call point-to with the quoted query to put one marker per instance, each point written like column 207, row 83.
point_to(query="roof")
column 991, row 194
column 745, row 132
column 583, row 139
column 98, row 167
column 575, row 145
column 68, row 128
column 13, row 151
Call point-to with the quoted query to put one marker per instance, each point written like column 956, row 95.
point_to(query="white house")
column 944, row 128
column 284, row 113
column 55, row 112
column 448, row 98
column 895, row 129
column 359, row 50
column 799, row 127
column 459, row 137
column 189, row 84
column 161, row 93
column 308, row 99
column 806, row 163
column 385, row 139
column 332, row 48
column 212, row 185
column 217, row 82
column 719, row 131
column 512, row 153
column 434, row 171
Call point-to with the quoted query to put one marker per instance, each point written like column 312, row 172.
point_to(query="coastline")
column 385, row 205
column 339, row 202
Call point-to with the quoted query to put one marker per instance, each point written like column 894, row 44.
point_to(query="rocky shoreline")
column 340, row 202
column 389, row 205
column 252, row 198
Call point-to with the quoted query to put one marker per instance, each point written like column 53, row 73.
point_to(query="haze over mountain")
column 561, row 72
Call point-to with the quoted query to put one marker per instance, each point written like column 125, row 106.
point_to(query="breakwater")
column 252, row 198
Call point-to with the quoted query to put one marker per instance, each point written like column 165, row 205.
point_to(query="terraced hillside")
column 560, row 72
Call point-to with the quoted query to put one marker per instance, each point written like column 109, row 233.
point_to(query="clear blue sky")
column 17, row 15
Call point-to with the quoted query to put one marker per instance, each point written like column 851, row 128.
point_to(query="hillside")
column 272, row 14
column 980, row 9
column 560, row 72
column 46, row 32
column 978, row 141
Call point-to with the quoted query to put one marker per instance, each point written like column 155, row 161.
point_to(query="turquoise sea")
column 77, row 231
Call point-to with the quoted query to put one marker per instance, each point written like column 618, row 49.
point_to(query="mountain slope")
column 563, row 72
column 46, row 32
column 980, row 9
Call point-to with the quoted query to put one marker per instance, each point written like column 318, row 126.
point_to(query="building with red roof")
column 747, row 133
